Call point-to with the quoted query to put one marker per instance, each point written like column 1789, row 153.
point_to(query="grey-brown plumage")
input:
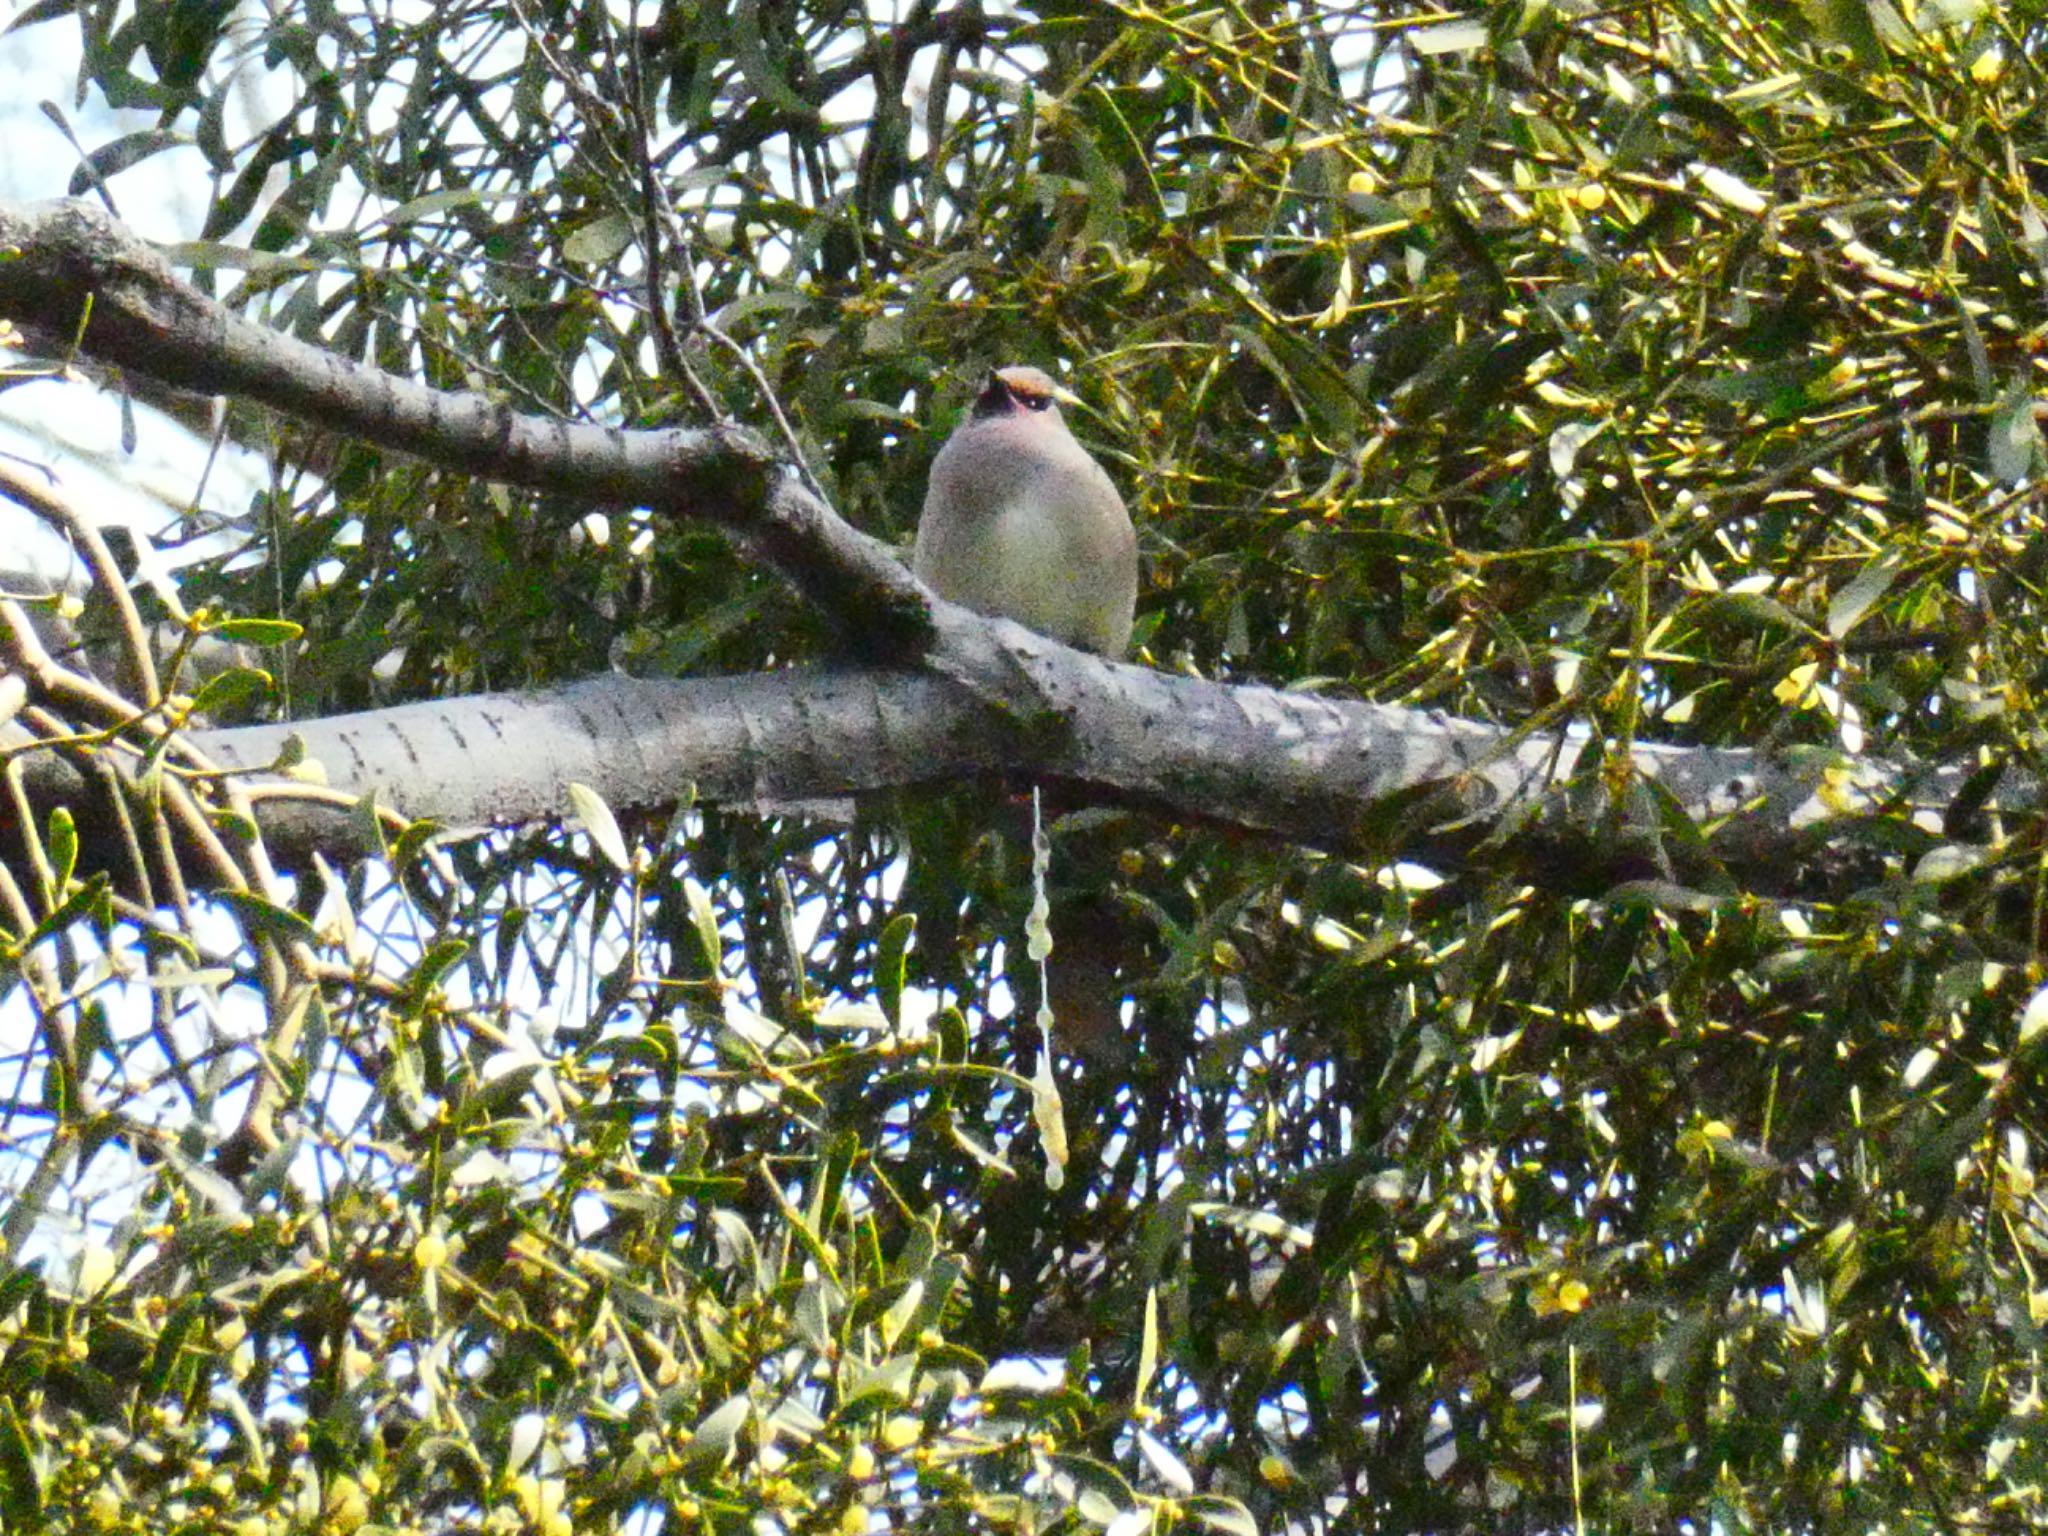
column 1021, row 523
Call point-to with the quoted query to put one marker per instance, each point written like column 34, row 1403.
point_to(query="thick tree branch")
column 1361, row 779
column 71, row 266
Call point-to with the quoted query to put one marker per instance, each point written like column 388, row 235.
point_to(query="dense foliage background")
column 1666, row 366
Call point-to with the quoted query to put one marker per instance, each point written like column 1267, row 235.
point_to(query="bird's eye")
column 1038, row 402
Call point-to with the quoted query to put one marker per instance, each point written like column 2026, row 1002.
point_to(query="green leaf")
column 718, row 1433
column 411, row 842
column 1164, row 1464
column 63, row 849
column 1148, row 1349
column 888, row 1381
column 91, row 897
column 1105, row 221
column 267, row 918
column 1221, row 1514
column 21, row 1483
column 1320, row 393
column 890, row 952
column 170, row 1345
column 216, row 256
column 1848, row 24
column 230, row 691
column 704, row 919
column 599, row 241
column 435, row 203
column 2015, row 438
column 259, row 632
column 900, row 1313
column 1848, row 606
column 435, row 964
column 123, row 153
column 1753, row 610
column 602, row 826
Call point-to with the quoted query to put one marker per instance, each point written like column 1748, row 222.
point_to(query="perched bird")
column 1021, row 523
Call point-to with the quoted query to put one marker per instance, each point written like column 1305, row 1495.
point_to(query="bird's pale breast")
column 1033, row 531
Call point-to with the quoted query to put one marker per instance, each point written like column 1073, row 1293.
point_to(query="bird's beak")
column 1065, row 396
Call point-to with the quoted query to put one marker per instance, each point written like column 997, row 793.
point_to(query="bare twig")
column 84, row 534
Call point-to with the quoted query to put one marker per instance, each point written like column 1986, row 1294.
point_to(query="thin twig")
column 53, row 509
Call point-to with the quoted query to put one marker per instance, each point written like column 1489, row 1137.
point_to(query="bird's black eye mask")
column 1000, row 396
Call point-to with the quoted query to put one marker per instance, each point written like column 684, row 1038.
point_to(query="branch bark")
column 1363, row 780
column 75, row 271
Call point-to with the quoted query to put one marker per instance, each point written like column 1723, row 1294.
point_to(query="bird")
column 1020, row 522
